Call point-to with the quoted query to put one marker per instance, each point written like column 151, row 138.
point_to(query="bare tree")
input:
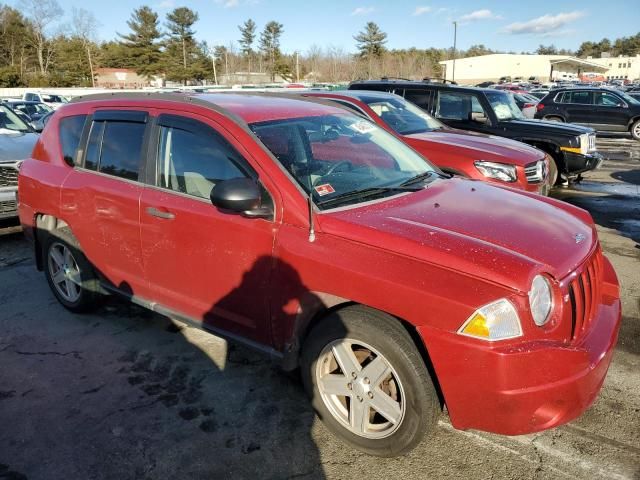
column 84, row 26
column 41, row 13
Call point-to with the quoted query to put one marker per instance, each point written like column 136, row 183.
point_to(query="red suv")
column 458, row 152
column 315, row 235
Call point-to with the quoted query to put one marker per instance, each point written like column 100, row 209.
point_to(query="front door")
column 203, row 263
column 610, row 112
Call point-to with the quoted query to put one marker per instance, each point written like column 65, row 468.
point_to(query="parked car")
column 52, row 99
column 34, row 110
column 485, row 84
column 457, row 152
column 635, row 96
column 526, row 103
column 39, row 124
column 321, row 238
column 572, row 147
column 539, row 93
column 17, row 140
column 602, row 109
column 506, row 79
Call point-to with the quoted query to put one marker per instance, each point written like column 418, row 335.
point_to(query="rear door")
column 578, row 106
column 100, row 197
column 203, row 263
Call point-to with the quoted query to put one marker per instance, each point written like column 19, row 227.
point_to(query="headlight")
column 584, row 143
column 500, row 171
column 495, row 321
column 540, row 300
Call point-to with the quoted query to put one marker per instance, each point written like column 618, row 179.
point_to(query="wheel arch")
column 45, row 225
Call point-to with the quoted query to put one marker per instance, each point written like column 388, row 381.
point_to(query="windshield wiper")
column 366, row 192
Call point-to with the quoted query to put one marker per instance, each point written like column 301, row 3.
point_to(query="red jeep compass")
column 473, row 155
column 312, row 233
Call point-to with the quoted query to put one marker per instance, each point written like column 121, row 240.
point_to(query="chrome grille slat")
column 532, row 174
column 8, row 206
column 8, row 176
column 584, row 294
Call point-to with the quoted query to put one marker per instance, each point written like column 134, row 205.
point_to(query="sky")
column 500, row 25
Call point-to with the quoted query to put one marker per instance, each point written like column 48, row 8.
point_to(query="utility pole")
column 455, row 35
column 212, row 52
column 297, row 67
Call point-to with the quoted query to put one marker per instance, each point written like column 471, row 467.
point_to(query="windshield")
column 10, row 122
column 54, row 98
column 628, row 98
column 333, row 155
column 403, row 117
column 504, row 106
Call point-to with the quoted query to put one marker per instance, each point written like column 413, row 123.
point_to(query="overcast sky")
column 519, row 25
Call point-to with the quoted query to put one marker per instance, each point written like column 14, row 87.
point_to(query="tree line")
column 41, row 46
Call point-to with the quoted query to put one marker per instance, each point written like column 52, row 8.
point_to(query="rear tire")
column 552, row 118
column 635, row 130
column 70, row 275
column 385, row 415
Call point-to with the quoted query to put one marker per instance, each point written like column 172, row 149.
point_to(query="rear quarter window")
column 70, row 134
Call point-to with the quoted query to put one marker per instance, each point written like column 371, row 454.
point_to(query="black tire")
column 386, row 335
column 89, row 288
column 635, row 130
column 553, row 118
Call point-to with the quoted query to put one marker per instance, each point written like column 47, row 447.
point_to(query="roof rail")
column 438, row 80
column 384, row 79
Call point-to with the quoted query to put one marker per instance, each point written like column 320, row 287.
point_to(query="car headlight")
column 584, row 143
column 496, row 321
column 499, row 171
column 540, row 300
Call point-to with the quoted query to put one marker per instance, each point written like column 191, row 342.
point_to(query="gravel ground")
column 127, row 394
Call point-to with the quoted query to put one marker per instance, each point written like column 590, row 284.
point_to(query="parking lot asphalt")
column 127, row 394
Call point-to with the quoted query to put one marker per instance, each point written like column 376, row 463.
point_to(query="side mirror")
column 35, row 127
column 622, row 105
column 478, row 117
column 240, row 195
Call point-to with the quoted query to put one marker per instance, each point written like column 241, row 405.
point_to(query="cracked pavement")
column 128, row 394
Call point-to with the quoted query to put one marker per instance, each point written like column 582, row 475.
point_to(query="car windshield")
column 10, row 122
column 504, row 106
column 342, row 158
column 403, row 117
column 54, row 98
column 628, row 98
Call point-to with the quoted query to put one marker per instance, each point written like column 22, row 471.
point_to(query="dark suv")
column 600, row 108
column 493, row 112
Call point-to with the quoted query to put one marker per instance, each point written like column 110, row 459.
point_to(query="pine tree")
column 143, row 43
column 371, row 43
column 270, row 45
column 248, row 36
column 181, row 46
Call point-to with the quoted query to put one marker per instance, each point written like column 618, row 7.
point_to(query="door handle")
column 154, row 212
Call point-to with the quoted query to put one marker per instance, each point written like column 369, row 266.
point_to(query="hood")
column 498, row 234
column 476, row 146
column 540, row 127
column 16, row 146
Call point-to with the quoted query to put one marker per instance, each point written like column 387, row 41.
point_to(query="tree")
column 371, row 43
column 84, row 26
column 181, row 43
column 270, row 46
column 41, row 13
column 143, row 43
column 544, row 50
column 247, row 37
column 477, row 50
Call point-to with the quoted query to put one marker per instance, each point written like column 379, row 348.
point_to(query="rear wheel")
column 68, row 272
column 554, row 119
column 368, row 382
column 635, row 130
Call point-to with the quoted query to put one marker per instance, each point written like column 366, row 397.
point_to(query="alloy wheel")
column 64, row 272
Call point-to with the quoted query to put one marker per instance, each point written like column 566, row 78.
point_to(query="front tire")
column 70, row 275
column 635, row 130
column 368, row 382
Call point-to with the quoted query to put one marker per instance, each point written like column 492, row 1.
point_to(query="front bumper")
column 8, row 202
column 530, row 386
column 576, row 163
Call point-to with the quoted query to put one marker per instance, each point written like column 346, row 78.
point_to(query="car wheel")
column 368, row 382
column 69, row 274
column 554, row 119
column 635, row 130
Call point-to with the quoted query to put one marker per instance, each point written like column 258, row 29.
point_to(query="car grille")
column 8, row 207
column 536, row 171
column 8, row 176
column 584, row 293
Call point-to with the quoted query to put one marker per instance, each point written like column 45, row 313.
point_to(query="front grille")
column 584, row 293
column 8, row 207
column 8, row 176
column 535, row 172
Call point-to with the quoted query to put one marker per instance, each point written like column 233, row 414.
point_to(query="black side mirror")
column 240, row 195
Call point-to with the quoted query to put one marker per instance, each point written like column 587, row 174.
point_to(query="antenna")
column 312, row 229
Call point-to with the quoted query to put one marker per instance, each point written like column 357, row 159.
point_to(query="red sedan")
column 315, row 235
column 468, row 154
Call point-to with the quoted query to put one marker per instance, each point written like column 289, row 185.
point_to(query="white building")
column 544, row 68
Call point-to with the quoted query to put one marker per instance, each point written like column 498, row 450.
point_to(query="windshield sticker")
column 362, row 127
column 502, row 111
column 324, row 189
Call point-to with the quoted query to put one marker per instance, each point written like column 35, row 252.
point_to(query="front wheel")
column 635, row 130
column 368, row 382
